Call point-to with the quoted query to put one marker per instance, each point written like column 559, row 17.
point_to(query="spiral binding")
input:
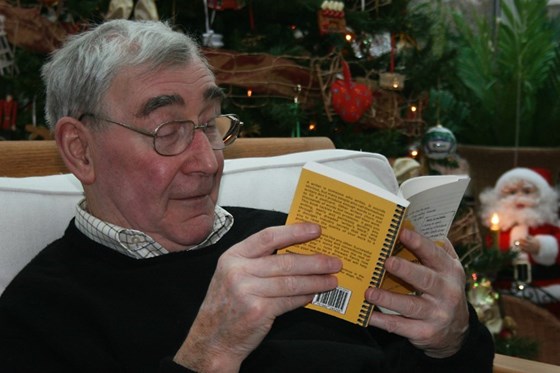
column 387, row 247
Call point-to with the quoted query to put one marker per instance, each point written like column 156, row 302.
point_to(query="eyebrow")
column 213, row 93
column 155, row 103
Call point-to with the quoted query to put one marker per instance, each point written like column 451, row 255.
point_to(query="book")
column 360, row 224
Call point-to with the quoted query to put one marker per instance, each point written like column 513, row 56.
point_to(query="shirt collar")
column 137, row 244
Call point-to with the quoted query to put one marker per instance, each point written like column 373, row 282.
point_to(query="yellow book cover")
column 360, row 223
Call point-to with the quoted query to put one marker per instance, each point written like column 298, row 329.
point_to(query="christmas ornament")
column 146, row 10
column 49, row 2
column 210, row 38
column 350, row 100
column 296, row 130
column 331, row 17
column 377, row 45
column 7, row 64
column 119, row 9
column 226, row 4
column 484, row 299
column 392, row 80
column 439, row 142
column 8, row 113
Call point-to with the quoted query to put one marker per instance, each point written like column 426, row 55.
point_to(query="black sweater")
column 82, row 307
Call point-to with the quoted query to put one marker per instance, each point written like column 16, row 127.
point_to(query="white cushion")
column 34, row 211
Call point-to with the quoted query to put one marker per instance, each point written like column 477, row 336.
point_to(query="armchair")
column 37, row 195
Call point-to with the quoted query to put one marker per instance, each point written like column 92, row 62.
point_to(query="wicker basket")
column 464, row 232
column 536, row 323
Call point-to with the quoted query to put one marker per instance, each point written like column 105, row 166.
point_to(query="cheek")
column 133, row 175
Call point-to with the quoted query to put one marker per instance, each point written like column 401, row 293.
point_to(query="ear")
column 74, row 143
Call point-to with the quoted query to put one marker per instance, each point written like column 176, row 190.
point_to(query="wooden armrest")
column 272, row 146
column 40, row 158
column 509, row 364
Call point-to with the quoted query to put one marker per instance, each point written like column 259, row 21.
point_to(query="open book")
column 360, row 223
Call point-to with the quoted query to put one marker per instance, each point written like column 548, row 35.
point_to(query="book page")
column 355, row 222
column 431, row 213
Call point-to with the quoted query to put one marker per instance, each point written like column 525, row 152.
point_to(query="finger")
column 295, row 264
column 407, row 305
column 427, row 251
column 396, row 324
column 420, row 276
column 291, row 286
column 271, row 239
column 449, row 249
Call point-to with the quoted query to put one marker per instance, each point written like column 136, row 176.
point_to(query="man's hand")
column 436, row 321
column 249, row 289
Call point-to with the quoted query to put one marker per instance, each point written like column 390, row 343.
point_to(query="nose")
column 200, row 157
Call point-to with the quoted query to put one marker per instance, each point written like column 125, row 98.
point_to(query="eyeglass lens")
column 174, row 137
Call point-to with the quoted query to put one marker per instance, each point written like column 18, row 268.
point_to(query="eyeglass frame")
column 229, row 137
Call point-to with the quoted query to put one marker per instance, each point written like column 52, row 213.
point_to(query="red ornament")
column 350, row 100
column 226, row 4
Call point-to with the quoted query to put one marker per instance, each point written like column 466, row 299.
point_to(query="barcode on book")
column 335, row 300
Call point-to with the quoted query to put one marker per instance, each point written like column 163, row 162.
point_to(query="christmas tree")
column 279, row 62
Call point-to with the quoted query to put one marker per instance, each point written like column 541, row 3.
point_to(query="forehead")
column 142, row 90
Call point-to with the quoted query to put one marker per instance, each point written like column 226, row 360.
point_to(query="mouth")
column 191, row 198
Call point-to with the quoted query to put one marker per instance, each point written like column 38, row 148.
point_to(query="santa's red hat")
column 540, row 177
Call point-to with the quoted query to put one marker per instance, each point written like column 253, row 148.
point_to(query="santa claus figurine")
column 527, row 207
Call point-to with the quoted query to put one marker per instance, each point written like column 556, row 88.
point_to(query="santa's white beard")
column 516, row 210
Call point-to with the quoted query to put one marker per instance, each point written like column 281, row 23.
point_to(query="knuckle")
column 392, row 325
column 287, row 263
column 429, row 281
column 291, row 284
column 266, row 236
column 412, row 307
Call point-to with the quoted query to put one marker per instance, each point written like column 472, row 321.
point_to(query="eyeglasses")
column 174, row 137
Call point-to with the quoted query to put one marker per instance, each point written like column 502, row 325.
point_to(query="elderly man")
column 152, row 275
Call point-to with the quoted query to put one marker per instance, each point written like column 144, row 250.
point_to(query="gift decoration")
column 350, row 100
column 331, row 17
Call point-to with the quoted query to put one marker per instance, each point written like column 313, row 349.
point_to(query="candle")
column 495, row 230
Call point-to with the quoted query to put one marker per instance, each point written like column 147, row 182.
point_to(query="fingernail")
column 312, row 228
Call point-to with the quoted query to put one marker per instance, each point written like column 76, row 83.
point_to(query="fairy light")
column 249, row 92
column 312, row 126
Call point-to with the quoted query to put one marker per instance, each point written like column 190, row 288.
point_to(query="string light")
column 249, row 92
column 312, row 126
